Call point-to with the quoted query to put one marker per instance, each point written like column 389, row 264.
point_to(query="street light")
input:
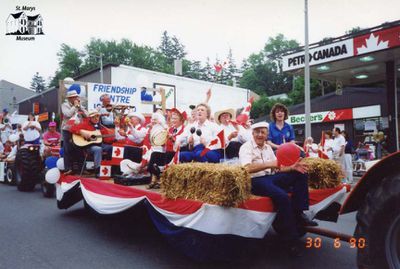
column 100, row 57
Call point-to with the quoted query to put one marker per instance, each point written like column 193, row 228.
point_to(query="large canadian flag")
column 217, row 143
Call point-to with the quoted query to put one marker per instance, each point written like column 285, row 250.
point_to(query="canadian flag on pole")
column 174, row 160
column 105, row 170
column 243, row 117
column 217, row 143
column 117, row 154
column 321, row 153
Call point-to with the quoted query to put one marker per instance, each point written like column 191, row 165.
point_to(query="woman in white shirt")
column 31, row 130
column 198, row 135
column 327, row 148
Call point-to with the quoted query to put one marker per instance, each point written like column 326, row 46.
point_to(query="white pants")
column 348, row 167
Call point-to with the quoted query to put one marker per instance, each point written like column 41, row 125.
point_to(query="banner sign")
column 374, row 41
column 43, row 117
column 120, row 95
column 319, row 55
column 336, row 115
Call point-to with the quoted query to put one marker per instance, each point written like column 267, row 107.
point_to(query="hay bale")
column 323, row 174
column 220, row 184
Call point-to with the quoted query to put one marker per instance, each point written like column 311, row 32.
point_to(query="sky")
column 207, row 28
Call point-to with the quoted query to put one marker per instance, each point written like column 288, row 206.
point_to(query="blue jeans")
column 277, row 187
column 97, row 152
column 212, row 156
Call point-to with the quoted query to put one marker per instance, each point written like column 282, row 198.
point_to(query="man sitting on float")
column 162, row 158
column 231, row 131
column 197, row 136
column 259, row 159
column 84, row 129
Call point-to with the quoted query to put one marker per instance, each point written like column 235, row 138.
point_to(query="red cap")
column 183, row 114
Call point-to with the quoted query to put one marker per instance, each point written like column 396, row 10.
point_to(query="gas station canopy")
column 368, row 56
column 355, row 59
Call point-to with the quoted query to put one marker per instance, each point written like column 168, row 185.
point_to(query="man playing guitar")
column 85, row 129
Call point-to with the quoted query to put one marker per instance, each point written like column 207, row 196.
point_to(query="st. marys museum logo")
column 24, row 23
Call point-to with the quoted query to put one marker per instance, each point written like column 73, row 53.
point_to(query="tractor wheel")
column 48, row 190
column 28, row 167
column 378, row 227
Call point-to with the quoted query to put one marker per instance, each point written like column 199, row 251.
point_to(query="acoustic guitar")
column 95, row 138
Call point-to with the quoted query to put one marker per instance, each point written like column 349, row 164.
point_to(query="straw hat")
column 230, row 111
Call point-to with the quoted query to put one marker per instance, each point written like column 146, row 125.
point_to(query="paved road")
column 35, row 234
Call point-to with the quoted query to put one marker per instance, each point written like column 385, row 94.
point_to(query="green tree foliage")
column 354, row 30
column 69, row 64
column 38, row 83
column 264, row 73
column 262, row 106
column 171, row 48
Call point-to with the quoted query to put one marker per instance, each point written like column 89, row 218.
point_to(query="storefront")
column 369, row 57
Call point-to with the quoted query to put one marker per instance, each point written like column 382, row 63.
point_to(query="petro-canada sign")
column 374, row 41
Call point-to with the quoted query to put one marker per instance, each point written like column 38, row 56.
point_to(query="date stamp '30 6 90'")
column 316, row 243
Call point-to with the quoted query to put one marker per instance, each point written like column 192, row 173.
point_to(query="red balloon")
column 287, row 154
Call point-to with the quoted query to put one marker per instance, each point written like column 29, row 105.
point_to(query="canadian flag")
column 105, row 170
column 175, row 159
column 217, row 143
column 117, row 154
column 146, row 154
column 321, row 153
column 243, row 117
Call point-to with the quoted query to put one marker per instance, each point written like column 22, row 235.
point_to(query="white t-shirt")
column 244, row 134
column 328, row 147
column 31, row 134
column 250, row 153
column 338, row 143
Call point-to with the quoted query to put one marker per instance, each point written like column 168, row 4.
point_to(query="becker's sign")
column 323, row 54
column 337, row 115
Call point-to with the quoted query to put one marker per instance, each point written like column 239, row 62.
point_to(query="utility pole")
column 307, row 105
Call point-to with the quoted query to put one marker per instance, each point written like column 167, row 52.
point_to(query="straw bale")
column 323, row 174
column 220, row 184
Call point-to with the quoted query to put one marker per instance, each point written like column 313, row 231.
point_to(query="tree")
column 171, row 48
column 354, row 30
column 192, row 69
column 72, row 63
column 69, row 63
column 264, row 74
column 38, row 83
column 262, row 106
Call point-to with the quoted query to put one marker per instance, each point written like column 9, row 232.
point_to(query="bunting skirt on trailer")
column 201, row 231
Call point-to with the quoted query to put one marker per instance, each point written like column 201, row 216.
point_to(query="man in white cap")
column 84, row 129
column 136, row 132
column 259, row 159
column 71, row 109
